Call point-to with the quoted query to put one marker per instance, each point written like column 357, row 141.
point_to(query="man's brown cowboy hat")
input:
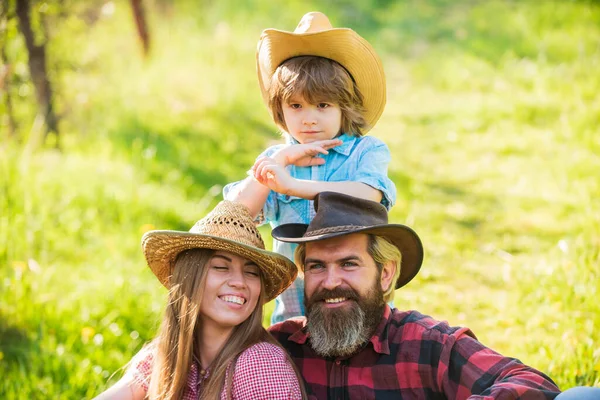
column 339, row 214
column 314, row 36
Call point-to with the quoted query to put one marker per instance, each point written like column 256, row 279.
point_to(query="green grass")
column 492, row 123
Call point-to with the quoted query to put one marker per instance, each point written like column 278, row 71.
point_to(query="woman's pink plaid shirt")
column 261, row 372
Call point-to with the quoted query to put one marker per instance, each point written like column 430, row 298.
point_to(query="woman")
column 211, row 342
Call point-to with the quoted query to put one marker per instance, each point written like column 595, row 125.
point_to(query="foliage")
column 493, row 127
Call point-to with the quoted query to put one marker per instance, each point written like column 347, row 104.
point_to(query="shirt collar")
column 301, row 335
column 194, row 378
column 379, row 339
column 344, row 148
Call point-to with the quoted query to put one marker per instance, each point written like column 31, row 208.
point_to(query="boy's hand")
column 305, row 155
column 272, row 174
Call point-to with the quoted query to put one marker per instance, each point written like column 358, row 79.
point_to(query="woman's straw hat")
column 229, row 227
column 314, row 36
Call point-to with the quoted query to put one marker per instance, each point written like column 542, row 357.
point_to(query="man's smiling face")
column 340, row 263
column 343, row 293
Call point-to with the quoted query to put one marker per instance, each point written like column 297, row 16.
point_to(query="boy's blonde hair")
column 381, row 251
column 317, row 80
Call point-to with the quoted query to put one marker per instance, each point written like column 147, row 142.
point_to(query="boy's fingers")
column 326, row 141
column 259, row 179
column 321, row 143
column 331, row 146
column 268, row 172
column 261, row 162
column 259, row 170
column 267, row 166
column 316, row 161
column 256, row 176
column 258, row 162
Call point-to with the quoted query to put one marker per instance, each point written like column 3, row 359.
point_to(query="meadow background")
column 492, row 119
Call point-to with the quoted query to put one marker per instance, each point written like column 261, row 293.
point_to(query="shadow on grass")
column 195, row 157
column 15, row 344
column 473, row 208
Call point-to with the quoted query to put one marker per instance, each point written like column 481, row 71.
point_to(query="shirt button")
column 337, row 362
column 287, row 196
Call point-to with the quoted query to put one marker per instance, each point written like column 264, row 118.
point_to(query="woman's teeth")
column 233, row 299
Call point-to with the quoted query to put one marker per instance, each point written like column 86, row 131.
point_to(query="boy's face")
column 308, row 122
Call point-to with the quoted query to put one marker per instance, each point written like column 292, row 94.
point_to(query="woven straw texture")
column 229, row 227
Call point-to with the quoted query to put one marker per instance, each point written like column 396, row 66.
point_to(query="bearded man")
column 352, row 345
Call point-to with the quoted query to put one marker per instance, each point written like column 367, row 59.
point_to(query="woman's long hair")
column 177, row 340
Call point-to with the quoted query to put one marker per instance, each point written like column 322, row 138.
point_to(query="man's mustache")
column 323, row 294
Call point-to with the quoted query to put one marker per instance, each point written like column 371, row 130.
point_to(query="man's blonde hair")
column 380, row 250
column 317, row 80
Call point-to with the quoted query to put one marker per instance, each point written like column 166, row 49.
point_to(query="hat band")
column 333, row 229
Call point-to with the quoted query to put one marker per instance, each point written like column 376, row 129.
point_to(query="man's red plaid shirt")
column 413, row 357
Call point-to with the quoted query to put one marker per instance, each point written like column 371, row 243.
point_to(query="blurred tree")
column 6, row 71
column 37, row 69
column 140, row 22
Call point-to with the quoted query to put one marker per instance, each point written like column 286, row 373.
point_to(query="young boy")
column 325, row 88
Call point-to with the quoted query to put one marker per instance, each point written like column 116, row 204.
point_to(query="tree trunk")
column 5, row 88
column 140, row 22
column 5, row 76
column 37, row 70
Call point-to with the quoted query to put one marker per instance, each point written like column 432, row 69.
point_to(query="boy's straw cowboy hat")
column 229, row 227
column 340, row 214
column 314, row 36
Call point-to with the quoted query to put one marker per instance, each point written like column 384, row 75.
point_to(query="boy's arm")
column 270, row 173
column 369, row 180
column 253, row 194
column 309, row 189
column 250, row 193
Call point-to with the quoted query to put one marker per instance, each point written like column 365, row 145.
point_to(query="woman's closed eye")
column 252, row 272
column 223, row 268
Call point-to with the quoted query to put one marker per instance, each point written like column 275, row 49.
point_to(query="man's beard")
column 341, row 331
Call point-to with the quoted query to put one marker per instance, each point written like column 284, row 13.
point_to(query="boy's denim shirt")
column 359, row 159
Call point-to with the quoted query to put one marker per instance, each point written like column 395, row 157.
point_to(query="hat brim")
column 161, row 248
column 403, row 237
column 342, row 45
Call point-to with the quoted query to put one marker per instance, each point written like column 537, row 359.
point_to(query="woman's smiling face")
column 231, row 291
